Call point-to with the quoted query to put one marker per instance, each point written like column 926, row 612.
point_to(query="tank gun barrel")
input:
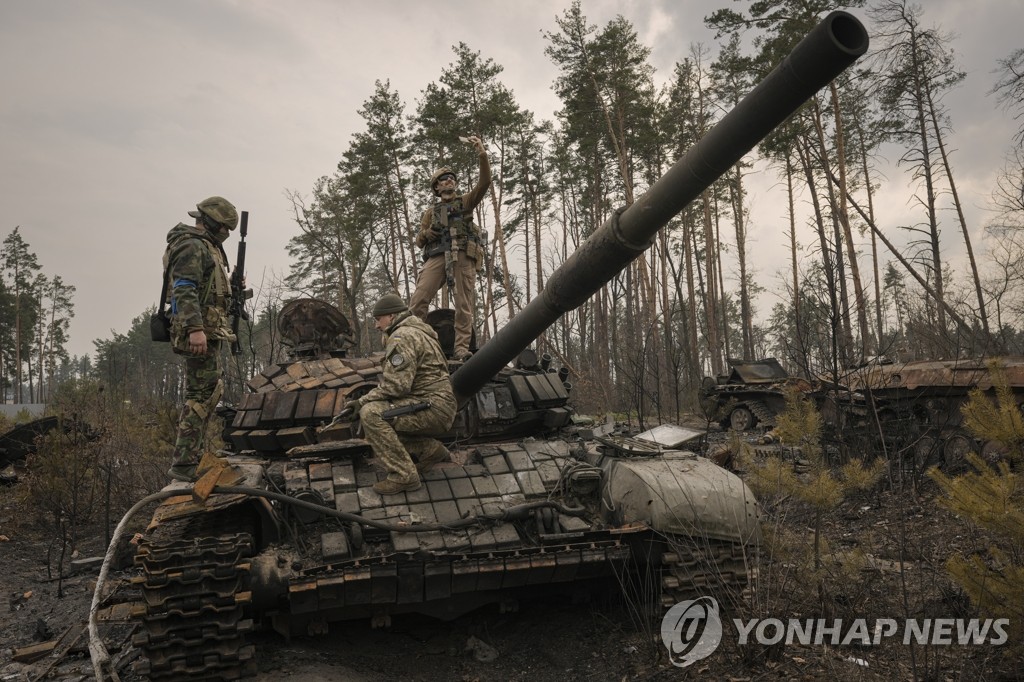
column 825, row 52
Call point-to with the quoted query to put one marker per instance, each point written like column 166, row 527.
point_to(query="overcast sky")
column 117, row 116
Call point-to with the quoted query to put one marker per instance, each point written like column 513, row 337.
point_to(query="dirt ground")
column 561, row 641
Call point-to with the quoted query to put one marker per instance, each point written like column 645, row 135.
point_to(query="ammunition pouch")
column 444, row 244
column 437, row 247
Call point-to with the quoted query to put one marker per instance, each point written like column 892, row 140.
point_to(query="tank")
column 22, row 440
column 915, row 407
column 285, row 533
column 751, row 395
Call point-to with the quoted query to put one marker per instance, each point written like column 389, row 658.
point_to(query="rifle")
column 387, row 415
column 239, row 293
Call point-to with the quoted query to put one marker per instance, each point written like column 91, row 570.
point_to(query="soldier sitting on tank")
column 414, row 371
column 452, row 248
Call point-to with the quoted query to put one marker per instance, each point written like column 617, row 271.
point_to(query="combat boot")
column 391, row 486
column 183, row 472
column 435, row 455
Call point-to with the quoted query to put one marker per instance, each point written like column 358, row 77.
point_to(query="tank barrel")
column 830, row 47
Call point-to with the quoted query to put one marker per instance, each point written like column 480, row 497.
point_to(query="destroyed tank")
column 287, row 533
column 751, row 395
column 916, row 405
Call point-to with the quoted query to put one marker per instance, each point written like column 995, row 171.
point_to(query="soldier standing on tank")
column 199, row 295
column 452, row 248
column 414, row 371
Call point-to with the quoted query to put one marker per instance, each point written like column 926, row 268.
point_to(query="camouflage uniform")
column 199, row 294
column 453, row 222
column 414, row 371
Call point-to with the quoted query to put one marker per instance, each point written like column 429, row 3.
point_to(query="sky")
column 118, row 116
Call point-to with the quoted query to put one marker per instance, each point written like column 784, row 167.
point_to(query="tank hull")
column 224, row 567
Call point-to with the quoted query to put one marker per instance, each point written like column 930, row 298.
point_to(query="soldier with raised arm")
column 452, row 248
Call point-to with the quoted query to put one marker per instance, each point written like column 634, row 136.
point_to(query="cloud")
column 117, row 117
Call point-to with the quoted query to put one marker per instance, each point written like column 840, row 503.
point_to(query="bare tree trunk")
column 819, row 222
column 798, row 318
column 746, row 323
column 666, row 311
column 691, row 307
column 500, row 237
column 926, row 171
column 527, row 256
column 537, row 240
column 17, row 341
column 960, row 217
column 490, row 316
column 720, row 297
column 846, row 344
column 879, row 332
column 966, row 328
column 844, row 220
column 601, row 349
column 710, row 302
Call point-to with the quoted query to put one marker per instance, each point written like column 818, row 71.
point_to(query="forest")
column 848, row 292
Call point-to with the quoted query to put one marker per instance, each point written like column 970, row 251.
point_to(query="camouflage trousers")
column 432, row 277
column 394, row 441
column 203, row 388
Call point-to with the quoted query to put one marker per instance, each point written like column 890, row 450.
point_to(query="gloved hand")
column 431, row 234
column 350, row 411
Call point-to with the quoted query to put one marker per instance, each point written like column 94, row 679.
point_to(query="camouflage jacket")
column 198, row 286
column 413, row 366
column 453, row 220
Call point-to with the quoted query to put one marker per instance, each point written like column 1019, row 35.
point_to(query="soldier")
column 452, row 249
column 199, row 293
column 414, row 371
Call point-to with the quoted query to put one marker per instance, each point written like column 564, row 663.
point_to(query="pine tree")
column 992, row 497
column 21, row 265
column 820, row 488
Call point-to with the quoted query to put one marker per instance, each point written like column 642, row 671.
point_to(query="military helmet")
column 217, row 209
column 388, row 305
column 436, row 177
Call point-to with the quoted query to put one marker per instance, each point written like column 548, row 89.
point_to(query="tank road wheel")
column 926, row 453
column 994, row 451
column 954, row 452
column 742, row 419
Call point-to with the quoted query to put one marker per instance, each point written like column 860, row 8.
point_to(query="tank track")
column 765, row 417
column 719, row 569
column 195, row 599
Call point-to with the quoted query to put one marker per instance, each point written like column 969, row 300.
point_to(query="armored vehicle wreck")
column 918, row 404
column 293, row 537
column 751, row 394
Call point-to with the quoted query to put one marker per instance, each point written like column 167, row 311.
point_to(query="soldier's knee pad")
column 197, row 408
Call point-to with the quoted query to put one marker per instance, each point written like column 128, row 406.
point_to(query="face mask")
column 221, row 234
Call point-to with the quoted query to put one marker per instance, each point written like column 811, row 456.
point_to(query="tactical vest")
column 456, row 228
column 215, row 294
